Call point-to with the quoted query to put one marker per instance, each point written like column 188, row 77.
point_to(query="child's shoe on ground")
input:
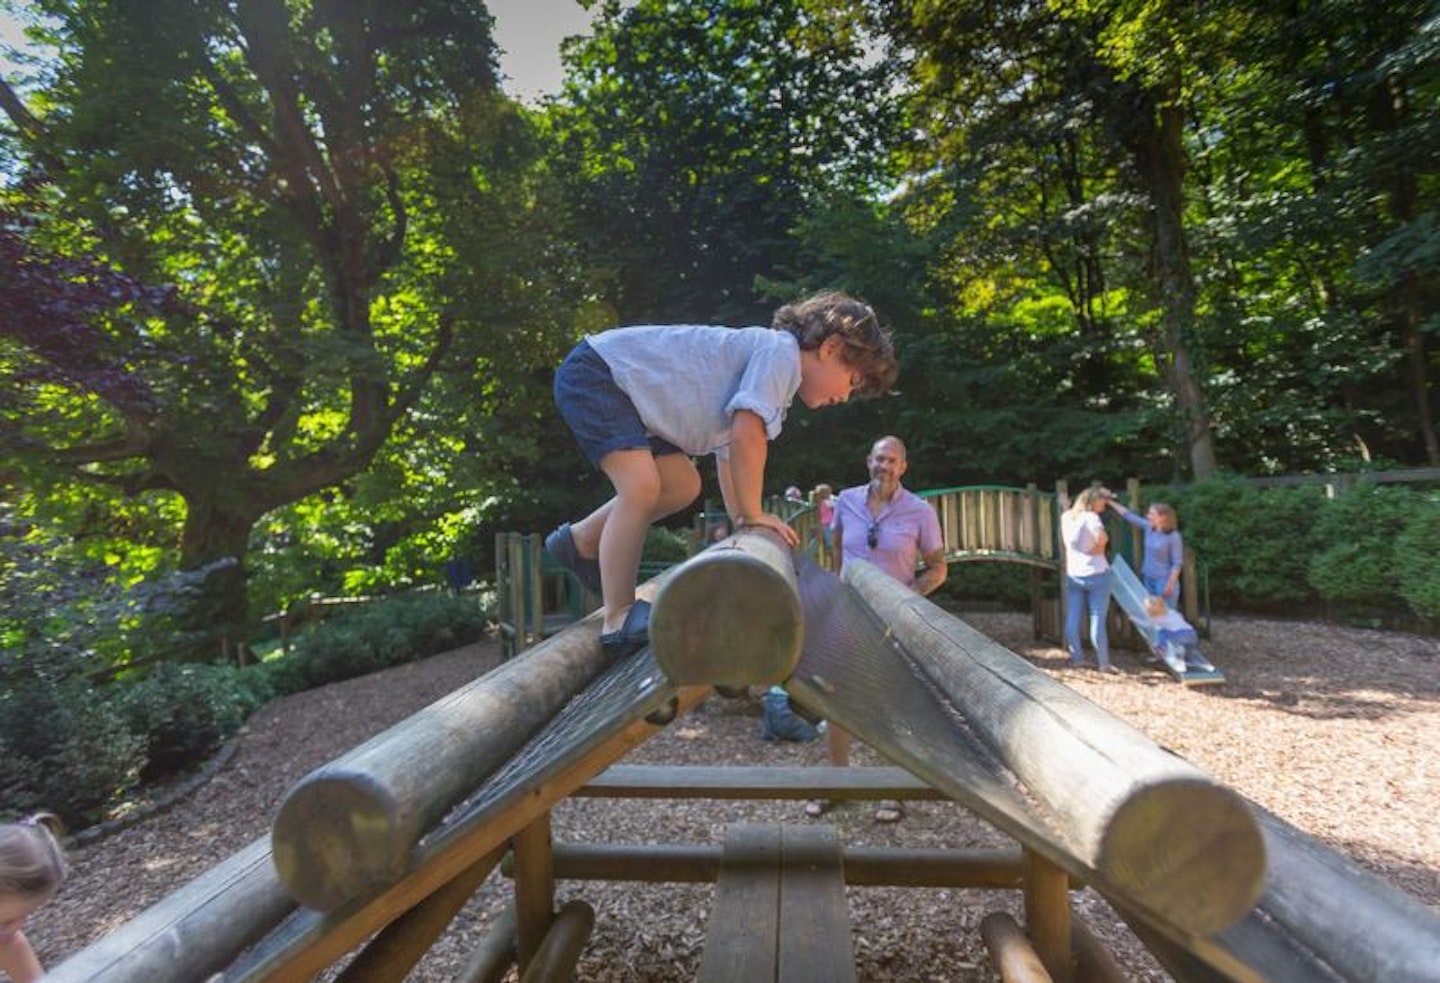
column 561, row 545
column 632, row 636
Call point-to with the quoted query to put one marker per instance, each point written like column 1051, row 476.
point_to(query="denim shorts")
column 599, row 414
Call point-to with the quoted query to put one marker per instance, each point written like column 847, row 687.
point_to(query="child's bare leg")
column 679, row 486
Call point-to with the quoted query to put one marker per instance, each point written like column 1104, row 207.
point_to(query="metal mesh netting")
column 628, row 691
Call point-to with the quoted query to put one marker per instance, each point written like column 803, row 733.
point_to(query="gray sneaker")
column 561, row 545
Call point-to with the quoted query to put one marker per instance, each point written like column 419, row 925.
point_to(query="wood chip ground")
column 1334, row 729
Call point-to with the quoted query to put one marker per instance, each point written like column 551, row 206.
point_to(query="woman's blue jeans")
column 1092, row 592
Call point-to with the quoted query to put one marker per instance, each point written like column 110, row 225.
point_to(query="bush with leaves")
column 184, row 711
column 1417, row 557
column 383, row 633
column 65, row 747
column 1257, row 543
column 1358, row 534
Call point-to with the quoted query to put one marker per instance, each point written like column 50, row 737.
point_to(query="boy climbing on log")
column 642, row 400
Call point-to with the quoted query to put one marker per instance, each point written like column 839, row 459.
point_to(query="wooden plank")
column 756, row 782
column 815, row 944
column 744, row 927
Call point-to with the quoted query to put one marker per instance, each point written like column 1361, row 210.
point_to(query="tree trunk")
column 216, row 622
column 1155, row 140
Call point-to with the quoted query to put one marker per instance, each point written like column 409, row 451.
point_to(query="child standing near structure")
column 642, row 400
column 32, row 867
column 1176, row 640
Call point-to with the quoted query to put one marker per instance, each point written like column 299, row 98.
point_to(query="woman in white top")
column 1087, row 575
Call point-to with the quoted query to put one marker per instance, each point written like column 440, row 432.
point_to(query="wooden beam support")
column 1011, row 951
column 559, row 951
column 350, row 827
column 865, row 866
column 393, row 953
column 731, row 615
column 534, row 888
column 1047, row 915
column 492, row 958
column 757, row 782
column 1153, row 827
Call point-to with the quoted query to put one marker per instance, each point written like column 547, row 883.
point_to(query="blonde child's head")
column 867, row 346
column 32, row 867
column 822, row 492
column 32, row 862
column 1155, row 606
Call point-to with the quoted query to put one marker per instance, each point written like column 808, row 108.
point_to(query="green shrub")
column 1358, row 534
column 1417, row 557
column 185, row 711
column 67, row 749
column 1256, row 542
column 385, row 633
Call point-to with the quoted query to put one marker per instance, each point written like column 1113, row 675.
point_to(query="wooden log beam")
column 730, row 616
column 699, row 863
column 350, row 827
column 1011, row 951
column 1154, row 828
column 310, row 942
column 757, row 782
column 559, row 951
column 491, row 959
column 191, row 933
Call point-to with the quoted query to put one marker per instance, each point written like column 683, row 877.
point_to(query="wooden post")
column 1047, row 914
column 534, row 888
column 350, row 827
column 1120, row 803
column 730, row 616
column 1011, row 951
column 1062, row 601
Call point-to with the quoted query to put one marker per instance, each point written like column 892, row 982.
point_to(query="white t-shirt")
column 1081, row 531
column 687, row 380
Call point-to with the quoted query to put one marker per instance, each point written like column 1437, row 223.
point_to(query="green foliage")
column 384, row 633
column 666, row 545
column 1417, row 557
column 65, row 747
column 1256, row 542
column 1357, row 533
column 184, row 712
column 1004, row 583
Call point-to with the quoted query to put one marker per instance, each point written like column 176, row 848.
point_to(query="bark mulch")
column 1333, row 729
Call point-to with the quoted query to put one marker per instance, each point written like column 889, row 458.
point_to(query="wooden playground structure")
column 379, row 849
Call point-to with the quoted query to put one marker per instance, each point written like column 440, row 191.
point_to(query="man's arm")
column 933, row 575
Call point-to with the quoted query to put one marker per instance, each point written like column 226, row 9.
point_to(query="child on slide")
column 1176, row 640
